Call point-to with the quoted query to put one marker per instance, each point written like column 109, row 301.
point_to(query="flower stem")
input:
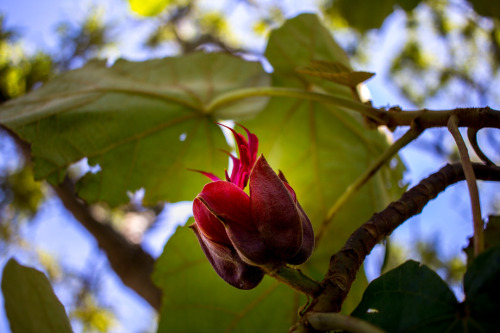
column 343, row 103
column 329, row 321
column 297, row 280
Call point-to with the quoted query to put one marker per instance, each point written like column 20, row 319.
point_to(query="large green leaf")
column 144, row 123
column 30, row 302
column 320, row 148
column 196, row 299
column 413, row 298
column 410, row 298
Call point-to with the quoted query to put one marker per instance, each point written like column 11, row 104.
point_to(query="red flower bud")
column 239, row 232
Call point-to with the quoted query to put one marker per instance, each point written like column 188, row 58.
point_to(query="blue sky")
column 37, row 20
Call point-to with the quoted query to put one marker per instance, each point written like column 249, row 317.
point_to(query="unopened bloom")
column 243, row 235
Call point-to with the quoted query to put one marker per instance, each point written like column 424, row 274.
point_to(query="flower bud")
column 243, row 235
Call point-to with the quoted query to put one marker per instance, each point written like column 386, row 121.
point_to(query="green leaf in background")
column 366, row 14
column 296, row 44
column 30, row 302
column 491, row 238
column 148, row 7
column 335, row 72
column 487, row 8
column 410, row 298
column 196, row 299
column 144, row 123
column 482, row 290
column 321, row 148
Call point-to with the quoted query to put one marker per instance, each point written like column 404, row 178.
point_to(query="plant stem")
column 470, row 177
column 336, row 321
column 297, row 280
column 469, row 117
column 343, row 103
column 408, row 137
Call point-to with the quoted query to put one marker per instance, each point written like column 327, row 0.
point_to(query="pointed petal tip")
column 282, row 176
column 209, row 175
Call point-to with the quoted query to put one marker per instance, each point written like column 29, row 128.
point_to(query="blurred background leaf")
column 148, row 8
column 30, row 302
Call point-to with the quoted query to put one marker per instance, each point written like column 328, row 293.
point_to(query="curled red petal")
column 245, row 157
column 209, row 224
column 227, row 264
column 240, row 139
column 274, row 211
column 237, row 172
column 253, row 144
column 228, row 202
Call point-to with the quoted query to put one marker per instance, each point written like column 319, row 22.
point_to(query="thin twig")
column 408, row 137
column 337, row 321
column 472, row 136
column 471, row 184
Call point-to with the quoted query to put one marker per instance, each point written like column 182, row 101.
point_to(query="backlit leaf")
column 144, row 123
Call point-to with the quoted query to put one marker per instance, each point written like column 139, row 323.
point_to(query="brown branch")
column 345, row 264
column 468, row 117
column 130, row 262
